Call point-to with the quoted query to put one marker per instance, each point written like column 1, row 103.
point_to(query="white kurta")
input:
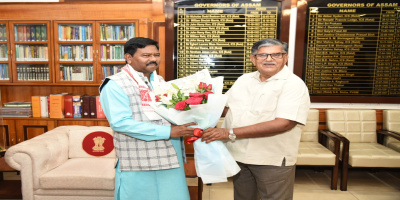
column 251, row 101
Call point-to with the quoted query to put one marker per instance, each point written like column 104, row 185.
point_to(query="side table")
column 9, row 189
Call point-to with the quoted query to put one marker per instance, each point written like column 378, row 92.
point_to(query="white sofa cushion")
column 355, row 125
column 372, row 155
column 313, row 153
column 77, row 135
column 81, row 173
column 310, row 130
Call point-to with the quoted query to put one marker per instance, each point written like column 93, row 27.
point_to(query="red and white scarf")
column 145, row 92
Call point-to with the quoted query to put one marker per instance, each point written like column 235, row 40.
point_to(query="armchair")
column 357, row 132
column 311, row 149
column 68, row 162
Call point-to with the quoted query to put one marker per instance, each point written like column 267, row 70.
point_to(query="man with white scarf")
column 150, row 151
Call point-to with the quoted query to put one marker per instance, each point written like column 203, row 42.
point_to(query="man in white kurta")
column 265, row 110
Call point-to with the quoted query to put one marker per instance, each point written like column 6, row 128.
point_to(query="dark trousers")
column 265, row 182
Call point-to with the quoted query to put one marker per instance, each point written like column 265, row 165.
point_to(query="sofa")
column 68, row 163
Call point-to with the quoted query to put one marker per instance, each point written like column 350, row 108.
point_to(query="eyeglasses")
column 273, row 56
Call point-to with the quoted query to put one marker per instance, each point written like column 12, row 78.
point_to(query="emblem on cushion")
column 98, row 143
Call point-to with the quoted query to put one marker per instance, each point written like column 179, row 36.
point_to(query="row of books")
column 3, row 52
column 109, row 70
column 75, row 33
column 76, row 53
column 33, row 73
column 64, row 105
column 116, row 32
column 3, row 32
column 4, row 72
column 76, row 73
column 112, row 52
column 19, row 109
column 30, row 32
column 31, row 52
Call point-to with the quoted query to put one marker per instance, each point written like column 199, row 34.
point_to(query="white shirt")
column 251, row 101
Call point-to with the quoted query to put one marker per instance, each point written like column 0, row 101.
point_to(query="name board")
column 352, row 48
column 219, row 35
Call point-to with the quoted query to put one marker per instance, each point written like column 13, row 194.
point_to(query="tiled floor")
column 312, row 185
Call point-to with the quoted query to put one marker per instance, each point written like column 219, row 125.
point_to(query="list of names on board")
column 353, row 49
column 219, row 36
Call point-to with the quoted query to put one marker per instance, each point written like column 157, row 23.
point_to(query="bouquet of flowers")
column 198, row 98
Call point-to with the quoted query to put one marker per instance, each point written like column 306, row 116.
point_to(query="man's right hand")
column 182, row 130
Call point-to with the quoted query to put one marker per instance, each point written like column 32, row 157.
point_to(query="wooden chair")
column 357, row 132
column 312, row 151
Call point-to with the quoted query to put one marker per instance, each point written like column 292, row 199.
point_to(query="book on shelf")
column 27, row 33
column 57, row 105
column 76, row 73
column 16, row 109
column 85, row 106
column 36, row 112
column 99, row 110
column 92, row 107
column 1, row 33
column 4, row 75
column 23, row 112
column 3, row 52
column 75, row 33
column 44, row 107
column 33, row 72
column 16, row 104
column 68, row 106
column 116, row 32
column 77, row 106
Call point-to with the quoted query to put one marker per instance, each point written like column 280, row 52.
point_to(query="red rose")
column 197, row 94
column 194, row 100
column 209, row 87
column 202, row 85
column 207, row 93
column 205, row 86
column 180, row 105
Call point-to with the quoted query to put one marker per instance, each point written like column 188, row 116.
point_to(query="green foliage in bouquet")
column 177, row 98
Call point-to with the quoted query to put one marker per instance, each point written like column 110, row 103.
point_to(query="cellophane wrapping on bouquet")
column 213, row 161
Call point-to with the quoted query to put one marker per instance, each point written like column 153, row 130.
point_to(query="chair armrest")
column 381, row 135
column 323, row 134
column 39, row 155
column 345, row 147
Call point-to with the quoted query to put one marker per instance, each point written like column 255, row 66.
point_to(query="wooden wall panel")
column 63, row 11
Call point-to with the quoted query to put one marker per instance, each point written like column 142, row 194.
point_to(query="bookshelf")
column 31, row 60
column 4, row 55
column 70, row 56
column 74, row 51
column 111, row 37
column 131, row 18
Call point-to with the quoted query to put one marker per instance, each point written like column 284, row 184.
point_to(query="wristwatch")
column 232, row 135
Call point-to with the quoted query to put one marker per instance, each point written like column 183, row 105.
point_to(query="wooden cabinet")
column 8, row 135
column 29, row 128
column 74, row 52
column 110, row 40
column 43, row 57
column 31, row 60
